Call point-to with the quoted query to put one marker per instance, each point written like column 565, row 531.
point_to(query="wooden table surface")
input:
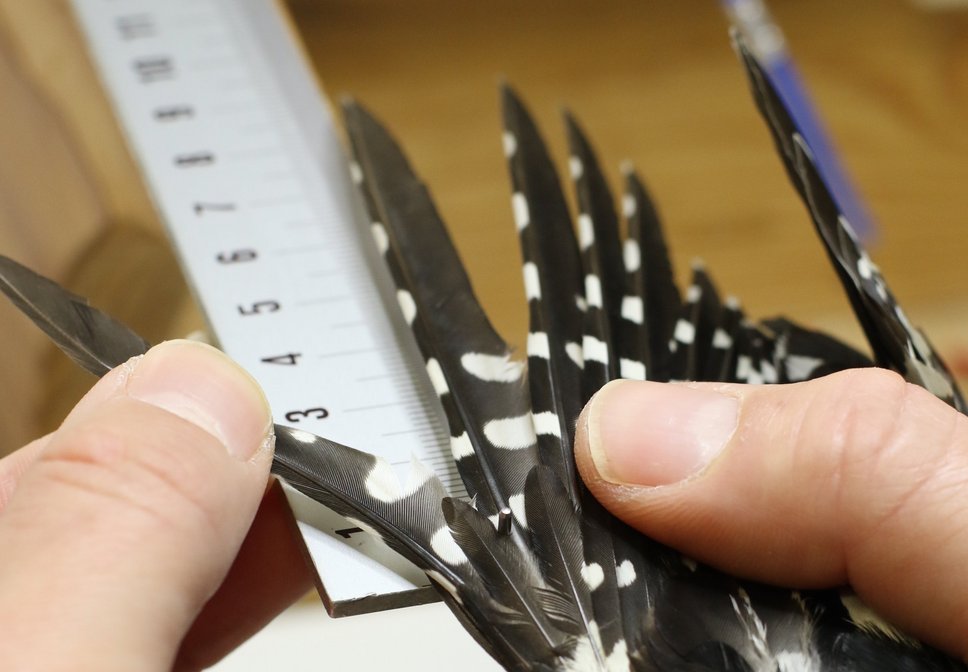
column 653, row 82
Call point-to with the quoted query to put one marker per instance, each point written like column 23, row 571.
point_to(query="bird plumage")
column 539, row 573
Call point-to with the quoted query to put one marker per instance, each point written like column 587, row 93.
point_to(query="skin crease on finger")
column 148, row 517
column 862, row 464
column 269, row 573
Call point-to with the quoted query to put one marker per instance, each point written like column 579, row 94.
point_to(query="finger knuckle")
column 867, row 406
column 876, row 471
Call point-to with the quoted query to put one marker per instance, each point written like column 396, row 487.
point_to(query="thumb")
column 858, row 478
column 130, row 516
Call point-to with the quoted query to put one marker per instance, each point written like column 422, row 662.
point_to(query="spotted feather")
column 482, row 389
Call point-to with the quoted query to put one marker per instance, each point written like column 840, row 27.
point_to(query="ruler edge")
column 417, row 595
column 407, row 597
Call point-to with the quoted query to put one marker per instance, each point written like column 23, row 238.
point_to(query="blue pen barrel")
column 753, row 19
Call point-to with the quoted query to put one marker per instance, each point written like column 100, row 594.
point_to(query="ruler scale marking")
column 213, row 96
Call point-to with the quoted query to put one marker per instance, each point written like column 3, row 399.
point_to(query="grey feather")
column 94, row 340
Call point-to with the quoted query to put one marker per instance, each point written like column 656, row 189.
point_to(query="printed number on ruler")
column 240, row 156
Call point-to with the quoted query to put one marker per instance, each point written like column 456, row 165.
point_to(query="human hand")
column 857, row 478
column 118, row 528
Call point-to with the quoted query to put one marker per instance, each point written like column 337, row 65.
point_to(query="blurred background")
column 653, row 81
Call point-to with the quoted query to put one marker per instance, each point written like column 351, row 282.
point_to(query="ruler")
column 238, row 150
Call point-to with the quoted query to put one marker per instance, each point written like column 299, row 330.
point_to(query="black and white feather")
column 540, row 574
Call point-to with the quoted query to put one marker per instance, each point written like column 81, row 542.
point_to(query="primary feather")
column 553, row 284
column 482, row 390
column 558, row 584
column 653, row 295
column 896, row 343
column 94, row 340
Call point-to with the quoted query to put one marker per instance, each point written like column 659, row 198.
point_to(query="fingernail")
column 202, row 385
column 652, row 434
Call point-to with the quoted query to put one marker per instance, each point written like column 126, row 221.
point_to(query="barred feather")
column 553, row 282
column 895, row 342
column 571, row 588
column 651, row 285
column 482, row 389
column 601, row 256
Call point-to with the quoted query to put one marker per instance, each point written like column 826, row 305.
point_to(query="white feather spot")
column 356, row 173
column 586, row 232
column 510, row 144
column 583, row 657
column 419, row 474
column 625, row 574
column 744, row 365
column 491, row 368
column 797, row 661
column 693, row 294
column 407, row 306
column 768, row 371
column 461, row 446
column 513, row 433
column 866, row 267
column 618, row 659
column 629, row 206
column 575, row 167
column 685, row 332
column 302, row 437
column 931, row 378
column 880, row 287
column 382, row 483
column 380, row 237
column 581, row 303
column 632, row 256
column 538, row 345
column 593, row 291
column 629, row 368
column 594, row 349
column 437, row 378
column 799, row 367
column 593, row 575
column 576, row 354
column 532, row 282
column 755, row 377
column 516, row 503
column 632, row 309
column 546, row 423
column 519, row 206
column 722, row 340
column 446, row 548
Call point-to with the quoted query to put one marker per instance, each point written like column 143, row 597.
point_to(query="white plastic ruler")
column 239, row 152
